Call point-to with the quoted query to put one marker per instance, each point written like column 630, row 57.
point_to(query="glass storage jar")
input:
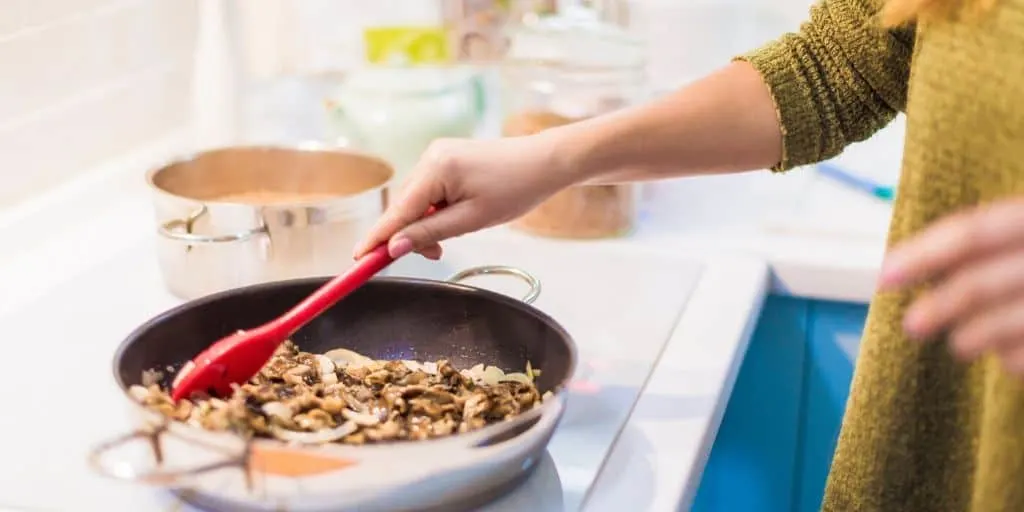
column 396, row 112
column 564, row 69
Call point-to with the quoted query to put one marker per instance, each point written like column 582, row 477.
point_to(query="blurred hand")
column 975, row 260
column 483, row 182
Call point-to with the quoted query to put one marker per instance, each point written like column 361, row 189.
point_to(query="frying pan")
column 388, row 318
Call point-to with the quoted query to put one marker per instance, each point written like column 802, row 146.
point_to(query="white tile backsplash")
column 83, row 80
column 10, row 16
column 46, row 63
column 35, row 13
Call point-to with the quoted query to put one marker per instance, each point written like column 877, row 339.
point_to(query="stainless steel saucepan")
column 239, row 216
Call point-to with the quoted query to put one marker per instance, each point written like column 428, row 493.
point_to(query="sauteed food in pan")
column 342, row 396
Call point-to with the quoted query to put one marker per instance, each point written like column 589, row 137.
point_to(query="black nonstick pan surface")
column 388, row 318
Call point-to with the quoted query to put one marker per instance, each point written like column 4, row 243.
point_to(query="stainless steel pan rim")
column 151, row 433
column 181, row 229
column 306, row 147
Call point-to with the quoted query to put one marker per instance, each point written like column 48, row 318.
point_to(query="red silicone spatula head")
column 233, row 359
column 238, row 357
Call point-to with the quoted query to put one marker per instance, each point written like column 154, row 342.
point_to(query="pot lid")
column 576, row 37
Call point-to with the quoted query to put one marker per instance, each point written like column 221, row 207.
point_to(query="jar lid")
column 576, row 38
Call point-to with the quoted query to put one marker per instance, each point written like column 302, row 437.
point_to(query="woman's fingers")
column 975, row 287
column 1013, row 359
column 426, row 232
column 999, row 328
column 417, row 196
column 952, row 242
column 432, row 252
column 976, row 259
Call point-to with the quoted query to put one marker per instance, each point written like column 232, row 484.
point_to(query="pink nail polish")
column 890, row 275
column 399, row 246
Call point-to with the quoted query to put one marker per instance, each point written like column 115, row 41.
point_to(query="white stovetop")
column 78, row 288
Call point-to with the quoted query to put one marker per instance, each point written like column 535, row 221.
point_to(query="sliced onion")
column 138, row 392
column 277, row 409
column 324, row 365
column 489, row 375
column 326, row 368
column 425, row 367
column 360, row 418
column 298, row 370
column 492, row 375
column 517, row 377
column 319, row 437
column 413, row 366
column 345, row 357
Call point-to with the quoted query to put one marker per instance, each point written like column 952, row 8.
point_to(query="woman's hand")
column 483, row 182
column 975, row 260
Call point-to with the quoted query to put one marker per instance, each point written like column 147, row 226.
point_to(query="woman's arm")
column 798, row 100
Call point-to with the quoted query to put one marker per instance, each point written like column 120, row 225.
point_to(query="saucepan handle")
column 523, row 275
column 181, row 230
column 104, row 463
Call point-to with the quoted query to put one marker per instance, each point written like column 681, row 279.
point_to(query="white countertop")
column 88, row 224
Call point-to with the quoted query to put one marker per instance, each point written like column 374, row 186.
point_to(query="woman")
column 935, row 419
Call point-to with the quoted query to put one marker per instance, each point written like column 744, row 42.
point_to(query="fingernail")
column 892, row 274
column 399, row 246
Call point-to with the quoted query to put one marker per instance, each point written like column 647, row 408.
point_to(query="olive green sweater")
column 922, row 432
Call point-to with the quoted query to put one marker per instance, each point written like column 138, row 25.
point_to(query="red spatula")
column 238, row 357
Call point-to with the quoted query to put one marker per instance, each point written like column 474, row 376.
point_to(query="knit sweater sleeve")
column 837, row 80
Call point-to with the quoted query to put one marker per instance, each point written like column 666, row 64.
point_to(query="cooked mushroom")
column 345, row 397
column 475, row 405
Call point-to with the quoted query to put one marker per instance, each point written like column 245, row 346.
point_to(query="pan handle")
column 181, row 230
column 523, row 275
column 107, row 465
